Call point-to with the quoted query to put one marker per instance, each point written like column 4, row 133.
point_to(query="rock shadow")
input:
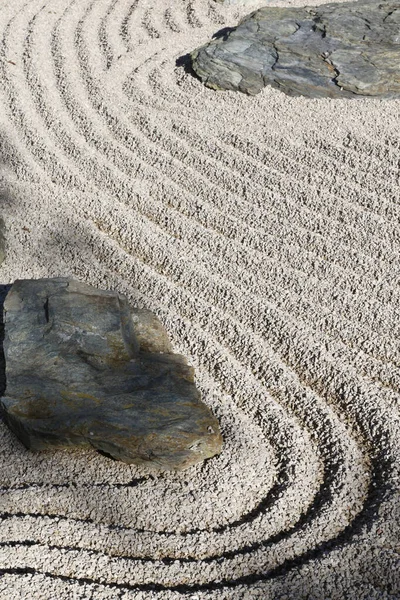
column 4, row 289
column 5, row 200
column 223, row 33
column 185, row 61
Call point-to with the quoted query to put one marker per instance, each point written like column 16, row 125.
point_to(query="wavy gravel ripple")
column 265, row 233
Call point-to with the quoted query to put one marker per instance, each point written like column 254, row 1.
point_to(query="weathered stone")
column 149, row 332
column 2, row 241
column 345, row 50
column 82, row 370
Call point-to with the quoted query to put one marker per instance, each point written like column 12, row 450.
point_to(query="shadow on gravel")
column 185, row 61
column 3, row 293
column 5, row 201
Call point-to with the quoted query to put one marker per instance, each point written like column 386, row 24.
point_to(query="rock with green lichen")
column 83, row 369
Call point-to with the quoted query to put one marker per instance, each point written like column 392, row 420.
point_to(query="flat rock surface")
column 335, row 50
column 81, row 369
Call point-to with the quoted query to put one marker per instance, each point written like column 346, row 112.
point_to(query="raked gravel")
column 264, row 232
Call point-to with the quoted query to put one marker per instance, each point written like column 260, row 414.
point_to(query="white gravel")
column 265, row 233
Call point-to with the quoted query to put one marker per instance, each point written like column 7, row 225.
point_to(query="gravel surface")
column 264, row 232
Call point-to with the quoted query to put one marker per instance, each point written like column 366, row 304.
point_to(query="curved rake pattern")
column 267, row 241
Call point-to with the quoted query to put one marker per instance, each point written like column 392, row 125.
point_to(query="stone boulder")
column 347, row 50
column 82, row 369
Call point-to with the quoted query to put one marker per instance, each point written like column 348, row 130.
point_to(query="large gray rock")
column 2, row 241
column 82, row 370
column 335, row 50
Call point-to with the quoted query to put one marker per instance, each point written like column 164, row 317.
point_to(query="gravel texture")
column 264, row 232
